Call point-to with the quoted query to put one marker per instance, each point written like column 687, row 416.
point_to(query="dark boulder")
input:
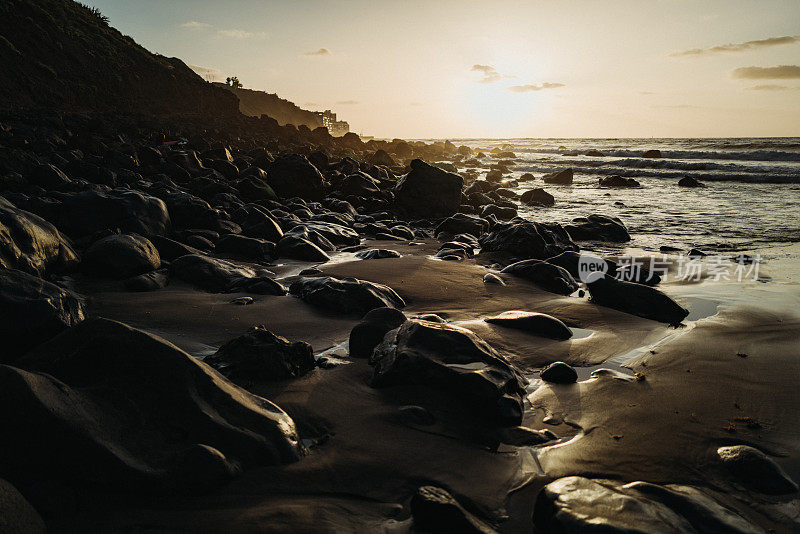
column 559, row 373
column 689, row 181
column 563, row 177
column 93, row 211
column 461, row 223
column 208, row 273
column 377, row 254
column 368, row 334
column 545, row 275
column 169, row 249
column 636, row 299
column 653, row 153
column 539, row 324
column 259, row 285
column 347, row 295
column 428, row 191
column 49, row 177
column 598, row 228
column 31, row 244
column 293, row 175
column 537, row 197
column 491, row 278
column 262, row 355
column 121, row 256
column 755, row 470
column 32, row 311
column 452, row 359
column 250, row 248
column 151, row 281
column 527, row 239
column 300, row 248
column 435, row 510
column 127, row 411
column 17, row 516
column 503, row 213
column 618, row 181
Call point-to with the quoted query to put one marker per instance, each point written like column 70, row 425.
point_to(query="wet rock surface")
column 369, row 333
column 527, row 240
column 348, row 295
column 539, row 324
column 598, row 228
column 636, row 299
column 121, row 256
column 545, row 275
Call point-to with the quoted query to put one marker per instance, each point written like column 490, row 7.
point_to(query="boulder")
column 545, row 275
column 689, row 181
column 598, row 228
column 539, row 324
column 49, row 177
column 293, row 175
column 461, row 223
column 380, row 157
column 377, row 254
column 262, row 355
column 33, row 311
column 434, row 509
column 260, row 285
column 92, row 211
column 347, row 295
column 151, row 281
column 17, row 516
column 527, row 239
column 562, row 177
column 653, row 153
column 208, row 273
column 559, row 373
column 491, row 278
column 31, row 244
column 428, row 191
column 636, row 299
column 299, row 248
column 618, row 181
column 367, row 334
column 594, row 153
column 249, row 248
column 450, row 358
column 121, row 256
column 537, row 197
column 169, row 249
column 755, row 470
column 127, row 411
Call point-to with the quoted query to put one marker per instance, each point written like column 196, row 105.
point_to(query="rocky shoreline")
column 224, row 324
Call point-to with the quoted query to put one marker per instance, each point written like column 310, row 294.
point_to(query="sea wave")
column 739, row 155
column 724, row 175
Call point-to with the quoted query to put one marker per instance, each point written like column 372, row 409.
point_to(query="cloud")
column 739, row 47
column 531, row 87
column 194, row 25
column 347, row 102
column 489, row 73
column 241, row 34
column 320, row 52
column 769, row 87
column 646, row 93
column 781, row 72
column 209, row 73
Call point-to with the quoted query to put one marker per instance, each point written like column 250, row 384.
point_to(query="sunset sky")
column 593, row 68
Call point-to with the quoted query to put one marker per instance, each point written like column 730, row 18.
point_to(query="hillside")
column 61, row 54
column 257, row 103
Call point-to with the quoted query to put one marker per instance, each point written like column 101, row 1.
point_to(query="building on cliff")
column 335, row 127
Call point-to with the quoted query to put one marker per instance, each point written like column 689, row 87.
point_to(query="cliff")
column 257, row 103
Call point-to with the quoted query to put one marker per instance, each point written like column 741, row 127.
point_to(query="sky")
column 457, row 69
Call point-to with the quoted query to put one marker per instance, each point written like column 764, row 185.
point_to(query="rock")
column 415, row 415
column 636, row 299
column 577, row 504
column 618, row 181
column 243, row 301
column 93, row 211
column 428, row 191
column 128, row 411
column 527, row 239
column 522, row 436
column 33, row 311
column 594, row 153
column 334, row 234
column 377, row 254
column 380, row 157
column 435, row 510
column 360, row 184
column 262, row 355
column 298, row 248
column 653, row 153
column 31, row 244
column 367, row 334
column 17, row 516
column 598, row 228
column 559, row 373
column 250, row 248
column 501, row 212
column 267, row 229
column 347, row 295
column 461, row 223
column 491, row 278
column 293, row 175
column 169, row 249
column 562, row 177
column 151, row 281
column 689, row 181
column 49, row 177
column 453, row 359
column 121, row 256
column 755, row 470
column 260, row 285
column 545, row 275
column 209, row 273
column 536, row 323
column 537, row 197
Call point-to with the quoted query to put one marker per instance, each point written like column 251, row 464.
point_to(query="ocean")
column 751, row 200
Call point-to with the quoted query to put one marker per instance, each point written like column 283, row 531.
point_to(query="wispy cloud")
column 780, row 72
column 532, row 87
column 209, row 73
column 347, row 102
column 241, row 34
column 320, row 52
column 739, row 47
column 489, row 74
column 770, row 87
column 194, row 25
